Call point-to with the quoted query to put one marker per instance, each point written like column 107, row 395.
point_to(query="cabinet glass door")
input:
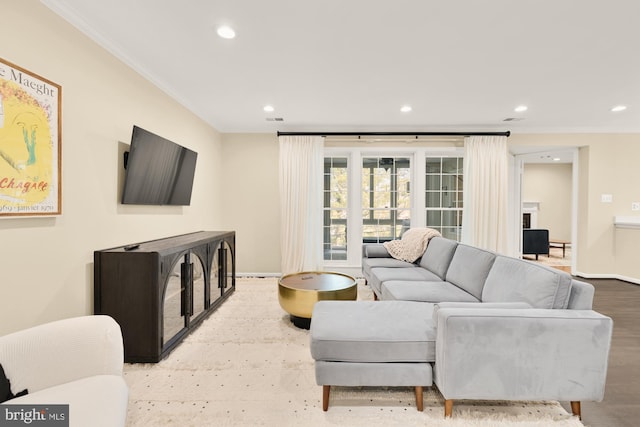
column 226, row 259
column 173, row 310
column 214, row 276
column 198, row 280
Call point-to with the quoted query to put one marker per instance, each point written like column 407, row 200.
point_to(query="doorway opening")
column 547, row 200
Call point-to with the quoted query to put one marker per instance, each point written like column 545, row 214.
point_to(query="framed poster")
column 30, row 143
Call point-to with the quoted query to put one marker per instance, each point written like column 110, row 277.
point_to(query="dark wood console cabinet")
column 158, row 291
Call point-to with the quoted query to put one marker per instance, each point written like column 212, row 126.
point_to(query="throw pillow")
column 5, row 388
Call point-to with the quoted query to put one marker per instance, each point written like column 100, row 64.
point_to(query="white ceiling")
column 349, row 65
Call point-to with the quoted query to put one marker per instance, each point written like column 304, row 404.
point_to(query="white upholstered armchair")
column 75, row 361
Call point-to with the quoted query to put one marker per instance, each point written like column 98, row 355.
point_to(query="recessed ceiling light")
column 406, row 108
column 268, row 108
column 520, row 108
column 226, row 32
column 618, row 108
column 556, row 159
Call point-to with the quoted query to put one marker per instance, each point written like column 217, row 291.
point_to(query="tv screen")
column 158, row 171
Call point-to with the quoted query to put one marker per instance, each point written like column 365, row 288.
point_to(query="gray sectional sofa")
column 477, row 324
column 450, row 271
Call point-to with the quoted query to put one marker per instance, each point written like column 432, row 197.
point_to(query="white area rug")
column 247, row 365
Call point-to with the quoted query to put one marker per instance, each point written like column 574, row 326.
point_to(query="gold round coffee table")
column 298, row 292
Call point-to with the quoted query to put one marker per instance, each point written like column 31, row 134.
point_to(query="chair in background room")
column 535, row 242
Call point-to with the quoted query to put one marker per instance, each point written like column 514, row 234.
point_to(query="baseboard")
column 633, row 280
column 258, row 274
column 356, row 273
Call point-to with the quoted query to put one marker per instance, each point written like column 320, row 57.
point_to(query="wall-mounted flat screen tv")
column 157, row 171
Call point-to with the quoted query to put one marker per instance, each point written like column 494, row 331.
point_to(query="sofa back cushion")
column 438, row 255
column 515, row 280
column 469, row 268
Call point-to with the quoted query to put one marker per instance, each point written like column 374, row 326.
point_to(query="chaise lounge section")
column 494, row 328
column 370, row 343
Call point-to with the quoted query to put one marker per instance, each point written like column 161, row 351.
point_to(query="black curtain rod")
column 416, row 134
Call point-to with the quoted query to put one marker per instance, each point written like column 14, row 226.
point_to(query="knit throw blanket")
column 412, row 244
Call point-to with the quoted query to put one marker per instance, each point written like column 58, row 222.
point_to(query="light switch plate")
column 606, row 198
column 635, row 206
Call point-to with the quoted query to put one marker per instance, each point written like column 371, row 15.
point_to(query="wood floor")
column 621, row 405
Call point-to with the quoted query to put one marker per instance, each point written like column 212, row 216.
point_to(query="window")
column 374, row 196
column 335, row 208
column 443, row 197
column 386, row 201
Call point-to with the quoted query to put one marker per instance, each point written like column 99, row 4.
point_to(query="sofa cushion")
column 380, row 275
column 370, row 263
column 412, row 274
column 375, row 255
column 511, row 279
column 469, row 268
column 438, row 256
column 424, row 291
column 372, row 331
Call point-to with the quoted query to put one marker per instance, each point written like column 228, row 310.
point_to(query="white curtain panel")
column 301, row 175
column 484, row 219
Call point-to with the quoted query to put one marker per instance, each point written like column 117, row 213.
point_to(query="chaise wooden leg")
column 575, row 408
column 325, row 397
column 448, row 408
column 419, row 403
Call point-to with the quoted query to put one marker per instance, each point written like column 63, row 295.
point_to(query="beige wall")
column 551, row 186
column 252, row 201
column 47, row 263
column 613, row 170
